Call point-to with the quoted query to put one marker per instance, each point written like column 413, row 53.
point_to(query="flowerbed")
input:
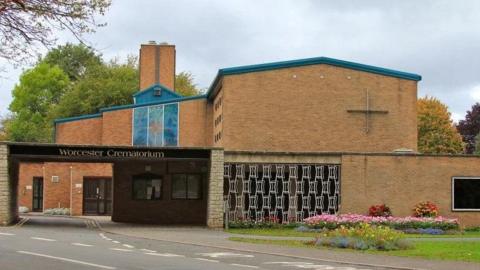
column 57, row 212
column 363, row 237
column 353, row 220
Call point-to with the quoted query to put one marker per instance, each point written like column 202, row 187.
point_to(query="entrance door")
column 97, row 196
column 37, row 201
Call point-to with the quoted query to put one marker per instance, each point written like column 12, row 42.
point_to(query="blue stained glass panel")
column 155, row 126
column 170, row 137
column 140, row 123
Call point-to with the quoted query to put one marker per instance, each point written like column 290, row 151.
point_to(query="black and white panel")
column 280, row 192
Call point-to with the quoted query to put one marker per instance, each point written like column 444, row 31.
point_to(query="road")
column 58, row 243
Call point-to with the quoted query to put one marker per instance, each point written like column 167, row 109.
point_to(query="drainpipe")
column 71, row 190
column 43, row 190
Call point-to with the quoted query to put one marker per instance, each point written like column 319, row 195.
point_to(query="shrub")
column 473, row 229
column 425, row 209
column 425, row 231
column 380, row 210
column 252, row 224
column 57, row 211
column 364, row 236
column 352, row 220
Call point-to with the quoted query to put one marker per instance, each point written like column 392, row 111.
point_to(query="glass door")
column 37, row 200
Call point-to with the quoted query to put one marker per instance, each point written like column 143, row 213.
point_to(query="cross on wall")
column 367, row 111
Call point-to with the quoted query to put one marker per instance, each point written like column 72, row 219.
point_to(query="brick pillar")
column 215, row 190
column 6, row 216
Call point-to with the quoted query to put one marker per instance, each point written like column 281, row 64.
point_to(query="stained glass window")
column 156, row 125
column 140, row 123
column 171, row 125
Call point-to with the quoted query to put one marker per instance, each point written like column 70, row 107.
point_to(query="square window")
column 466, row 193
column 186, row 186
column 147, row 187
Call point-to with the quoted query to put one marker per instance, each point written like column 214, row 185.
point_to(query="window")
column 147, row 187
column 466, row 193
column 155, row 125
column 186, row 186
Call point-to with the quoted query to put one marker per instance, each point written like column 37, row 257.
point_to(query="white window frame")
column 453, row 194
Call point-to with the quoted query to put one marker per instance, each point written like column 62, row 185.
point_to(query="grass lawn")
column 439, row 250
column 292, row 232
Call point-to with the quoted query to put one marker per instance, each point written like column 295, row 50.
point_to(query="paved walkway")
column 201, row 236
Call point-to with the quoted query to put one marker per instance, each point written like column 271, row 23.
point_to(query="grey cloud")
column 438, row 39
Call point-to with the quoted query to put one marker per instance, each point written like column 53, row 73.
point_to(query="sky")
column 439, row 40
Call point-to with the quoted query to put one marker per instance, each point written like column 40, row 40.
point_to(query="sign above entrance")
column 111, row 153
column 105, row 152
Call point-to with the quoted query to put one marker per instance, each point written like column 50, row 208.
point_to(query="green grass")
column 439, row 250
column 292, row 232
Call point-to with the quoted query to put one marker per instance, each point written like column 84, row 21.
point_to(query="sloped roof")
column 147, row 95
column 311, row 61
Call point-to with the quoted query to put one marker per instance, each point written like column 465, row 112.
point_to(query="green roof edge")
column 311, row 61
column 75, row 118
column 157, row 85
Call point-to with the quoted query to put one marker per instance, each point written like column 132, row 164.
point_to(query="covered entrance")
column 149, row 185
column 97, row 196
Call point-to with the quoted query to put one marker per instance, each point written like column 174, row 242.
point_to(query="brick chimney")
column 157, row 64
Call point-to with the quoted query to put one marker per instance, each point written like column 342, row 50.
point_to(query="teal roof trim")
column 311, row 61
column 75, row 118
column 130, row 106
column 157, row 85
column 148, row 94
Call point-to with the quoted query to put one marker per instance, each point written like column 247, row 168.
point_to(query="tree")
column 101, row 86
column 470, row 127
column 477, row 144
column 436, row 132
column 39, row 89
column 184, row 84
column 25, row 25
column 73, row 59
column 3, row 123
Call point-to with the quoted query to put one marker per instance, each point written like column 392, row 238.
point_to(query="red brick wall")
column 58, row 194
column 193, row 122
column 403, row 181
column 305, row 109
column 117, row 127
column 86, row 131
column 148, row 64
column 25, row 179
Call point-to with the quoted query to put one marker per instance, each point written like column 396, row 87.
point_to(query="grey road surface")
column 56, row 243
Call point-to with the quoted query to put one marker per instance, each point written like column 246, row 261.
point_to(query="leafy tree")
column 436, row 132
column 39, row 89
column 184, row 84
column 470, row 127
column 73, row 59
column 3, row 123
column 26, row 25
column 101, row 86
column 477, row 144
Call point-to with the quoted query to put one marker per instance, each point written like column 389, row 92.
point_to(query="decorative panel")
column 155, row 125
column 171, row 125
column 140, row 124
column 281, row 192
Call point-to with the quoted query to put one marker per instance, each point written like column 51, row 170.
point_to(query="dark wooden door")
column 37, row 200
column 97, row 196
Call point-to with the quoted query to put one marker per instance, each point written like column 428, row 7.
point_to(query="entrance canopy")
column 209, row 162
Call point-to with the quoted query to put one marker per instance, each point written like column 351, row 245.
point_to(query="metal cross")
column 368, row 111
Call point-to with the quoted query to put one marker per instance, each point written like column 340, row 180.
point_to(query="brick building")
column 300, row 138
